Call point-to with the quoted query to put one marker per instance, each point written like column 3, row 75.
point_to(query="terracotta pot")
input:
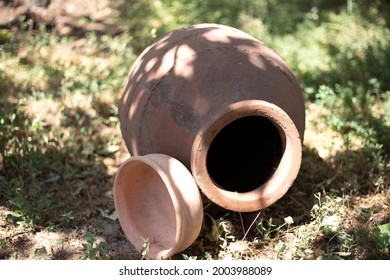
column 225, row 105
column 155, row 206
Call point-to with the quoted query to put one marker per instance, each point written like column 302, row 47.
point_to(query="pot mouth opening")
column 221, row 153
column 245, row 153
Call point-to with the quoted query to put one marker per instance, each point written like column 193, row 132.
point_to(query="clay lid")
column 158, row 205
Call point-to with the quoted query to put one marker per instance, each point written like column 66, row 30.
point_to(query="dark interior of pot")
column 244, row 154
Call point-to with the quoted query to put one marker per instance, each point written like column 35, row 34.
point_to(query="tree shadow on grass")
column 46, row 185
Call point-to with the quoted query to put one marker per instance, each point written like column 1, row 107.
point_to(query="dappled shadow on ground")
column 366, row 205
column 67, row 190
column 49, row 189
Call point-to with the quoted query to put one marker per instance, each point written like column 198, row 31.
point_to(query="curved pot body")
column 156, row 213
column 225, row 105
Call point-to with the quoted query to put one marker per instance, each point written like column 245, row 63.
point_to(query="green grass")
column 60, row 143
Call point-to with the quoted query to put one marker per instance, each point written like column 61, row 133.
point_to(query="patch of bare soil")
column 67, row 17
column 17, row 242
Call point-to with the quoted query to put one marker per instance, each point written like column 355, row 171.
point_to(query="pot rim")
column 282, row 178
column 164, row 175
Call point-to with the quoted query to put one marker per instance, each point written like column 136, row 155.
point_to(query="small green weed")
column 221, row 232
column 382, row 237
column 94, row 250
column 266, row 229
column 22, row 213
column 146, row 248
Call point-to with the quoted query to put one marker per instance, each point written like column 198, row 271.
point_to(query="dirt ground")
column 67, row 18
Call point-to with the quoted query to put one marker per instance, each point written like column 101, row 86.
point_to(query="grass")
column 60, row 143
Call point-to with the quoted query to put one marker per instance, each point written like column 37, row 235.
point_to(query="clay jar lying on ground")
column 225, row 105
